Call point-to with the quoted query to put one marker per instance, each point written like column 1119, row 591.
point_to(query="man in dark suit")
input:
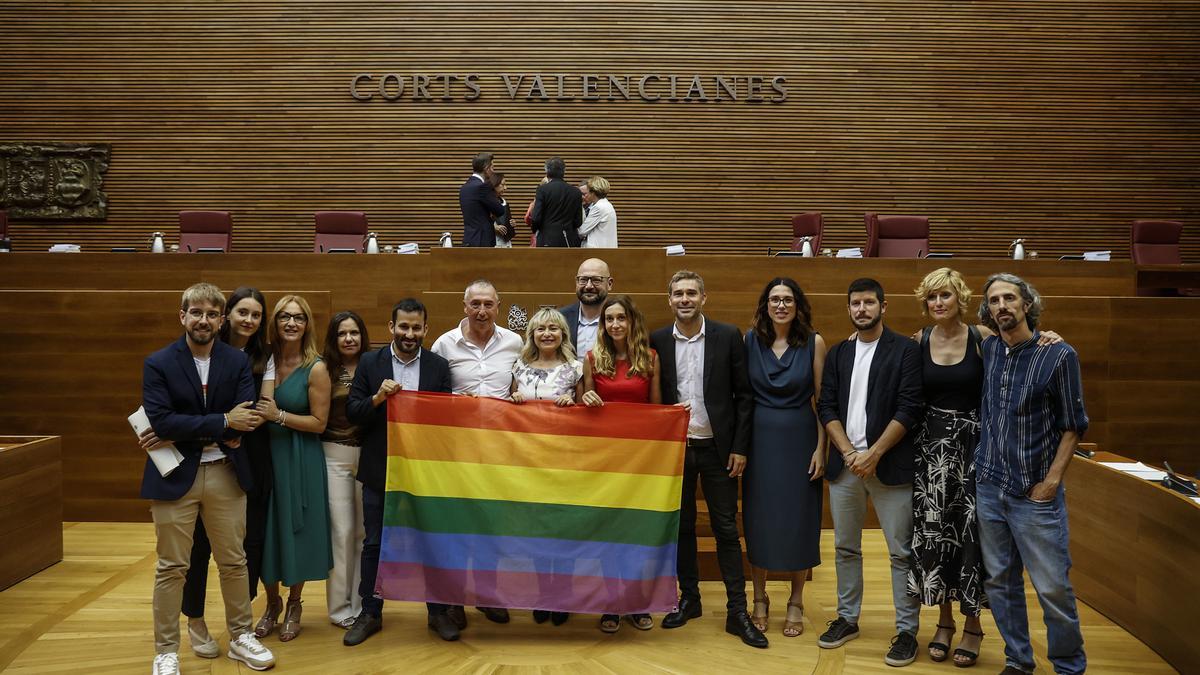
column 198, row 393
column 704, row 370
column 401, row 365
column 557, row 209
column 870, row 399
column 593, row 281
column 479, row 203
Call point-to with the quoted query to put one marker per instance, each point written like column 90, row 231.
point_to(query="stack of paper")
column 675, row 249
column 849, row 253
column 409, row 248
column 167, row 458
column 1101, row 256
column 65, row 248
column 1137, row 469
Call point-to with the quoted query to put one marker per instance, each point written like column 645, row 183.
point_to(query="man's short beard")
column 600, row 298
column 874, row 322
column 202, row 340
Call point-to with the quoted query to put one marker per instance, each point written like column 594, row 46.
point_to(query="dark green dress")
column 297, row 547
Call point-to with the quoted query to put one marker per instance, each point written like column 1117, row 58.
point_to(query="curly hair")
column 801, row 327
column 944, row 277
column 1028, row 293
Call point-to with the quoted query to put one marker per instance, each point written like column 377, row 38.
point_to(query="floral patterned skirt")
column 947, row 564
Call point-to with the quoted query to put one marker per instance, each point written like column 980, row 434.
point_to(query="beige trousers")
column 217, row 497
column 345, row 531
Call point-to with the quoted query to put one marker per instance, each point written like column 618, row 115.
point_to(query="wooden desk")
column 31, row 507
column 1168, row 277
column 1135, row 546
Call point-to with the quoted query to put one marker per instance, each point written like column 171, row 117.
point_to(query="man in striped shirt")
column 1032, row 417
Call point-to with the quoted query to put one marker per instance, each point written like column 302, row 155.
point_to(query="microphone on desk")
column 1174, row 482
column 1084, row 453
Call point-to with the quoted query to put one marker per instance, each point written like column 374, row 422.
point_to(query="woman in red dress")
column 621, row 368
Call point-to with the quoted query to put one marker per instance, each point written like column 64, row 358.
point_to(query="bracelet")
column 280, row 418
column 226, row 416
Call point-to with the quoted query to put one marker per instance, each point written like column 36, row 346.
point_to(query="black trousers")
column 372, row 605
column 703, row 464
column 195, row 587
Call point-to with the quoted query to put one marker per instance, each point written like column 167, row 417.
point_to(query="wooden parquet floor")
column 91, row 613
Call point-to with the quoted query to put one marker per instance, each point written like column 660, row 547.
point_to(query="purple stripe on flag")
column 530, row 555
column 525, row 590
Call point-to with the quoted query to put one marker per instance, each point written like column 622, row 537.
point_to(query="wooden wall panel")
column 1059, row 121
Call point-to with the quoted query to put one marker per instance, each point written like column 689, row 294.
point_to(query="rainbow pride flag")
column 532, row 506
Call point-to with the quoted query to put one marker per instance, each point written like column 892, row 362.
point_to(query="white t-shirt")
column 210, row 452
column 856, row 412
column 269, row 369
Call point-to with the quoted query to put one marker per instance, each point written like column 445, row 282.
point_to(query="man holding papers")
column 198, row 393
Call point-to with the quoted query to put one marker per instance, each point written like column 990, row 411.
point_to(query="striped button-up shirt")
column 1031, row 395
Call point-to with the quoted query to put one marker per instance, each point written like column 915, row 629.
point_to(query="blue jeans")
column 372, row 604
column 1018, row 533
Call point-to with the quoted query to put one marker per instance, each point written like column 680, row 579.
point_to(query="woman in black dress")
column 782, row 490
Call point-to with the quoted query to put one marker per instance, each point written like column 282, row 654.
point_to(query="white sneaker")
column 202, row 643
column 166, row 664
column 247, row 649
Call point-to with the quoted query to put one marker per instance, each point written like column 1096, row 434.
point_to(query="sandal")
column 969, row 656
column 760, row 620
column 640, row 621
column 941, row 646
column 610, row 623
column 291, row 621
column 793, row 628
column 269, row 618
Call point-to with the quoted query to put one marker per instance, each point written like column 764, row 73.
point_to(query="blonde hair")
column 598, row 186
column 542, row 317
column 203, row 292
column 944, row 277
column 637, row 344
column 309, row 351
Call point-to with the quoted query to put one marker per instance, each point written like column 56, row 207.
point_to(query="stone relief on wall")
column 54, row 180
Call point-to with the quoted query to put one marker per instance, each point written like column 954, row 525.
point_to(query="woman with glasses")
column 621, row 368
column 345, row 340
column 297, row 542
column 547, row 370
column 244, row 329
column 782, row 490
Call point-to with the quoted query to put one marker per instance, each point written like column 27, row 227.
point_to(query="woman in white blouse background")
column 599, row 228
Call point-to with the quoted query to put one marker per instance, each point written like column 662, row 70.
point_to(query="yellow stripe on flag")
column 431, row 478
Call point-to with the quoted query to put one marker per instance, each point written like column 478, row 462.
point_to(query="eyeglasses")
column 781, row 302
column 198, row 314
column 285, row 318
column 595, row 281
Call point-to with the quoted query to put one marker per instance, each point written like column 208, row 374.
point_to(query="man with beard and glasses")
column 400, row 366
column 198, row 393
column 592, row 284
column 481, row 356
column 1031, row 419
column 870, row 399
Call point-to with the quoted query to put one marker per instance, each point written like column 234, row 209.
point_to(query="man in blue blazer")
column 870, row 400
column 401, row 365
column 479, row 203
column 198, row 393
column 593, row 282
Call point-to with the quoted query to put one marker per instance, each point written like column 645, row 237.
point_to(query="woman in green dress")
column 297, row 544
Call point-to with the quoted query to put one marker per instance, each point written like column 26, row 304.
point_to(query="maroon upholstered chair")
column 339, row 230
column 205, row 229
column 1156, row 242
column 807, row 225
column 896, row 236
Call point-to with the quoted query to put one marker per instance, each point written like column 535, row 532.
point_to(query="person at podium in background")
column 599, row 228
column 479, row 204
column 1031, row 419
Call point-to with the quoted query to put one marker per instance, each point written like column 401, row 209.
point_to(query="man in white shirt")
column 481, row 356
column 593, row 282
column 870, row 399
column 599, row 228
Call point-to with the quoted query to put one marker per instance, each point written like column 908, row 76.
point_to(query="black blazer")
column 557, row 214
column 373, row 369
column 179, row 413
column 480, row 207
column 571, row 314
column 727, row 394
column 893, row 393
column 505, row 220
